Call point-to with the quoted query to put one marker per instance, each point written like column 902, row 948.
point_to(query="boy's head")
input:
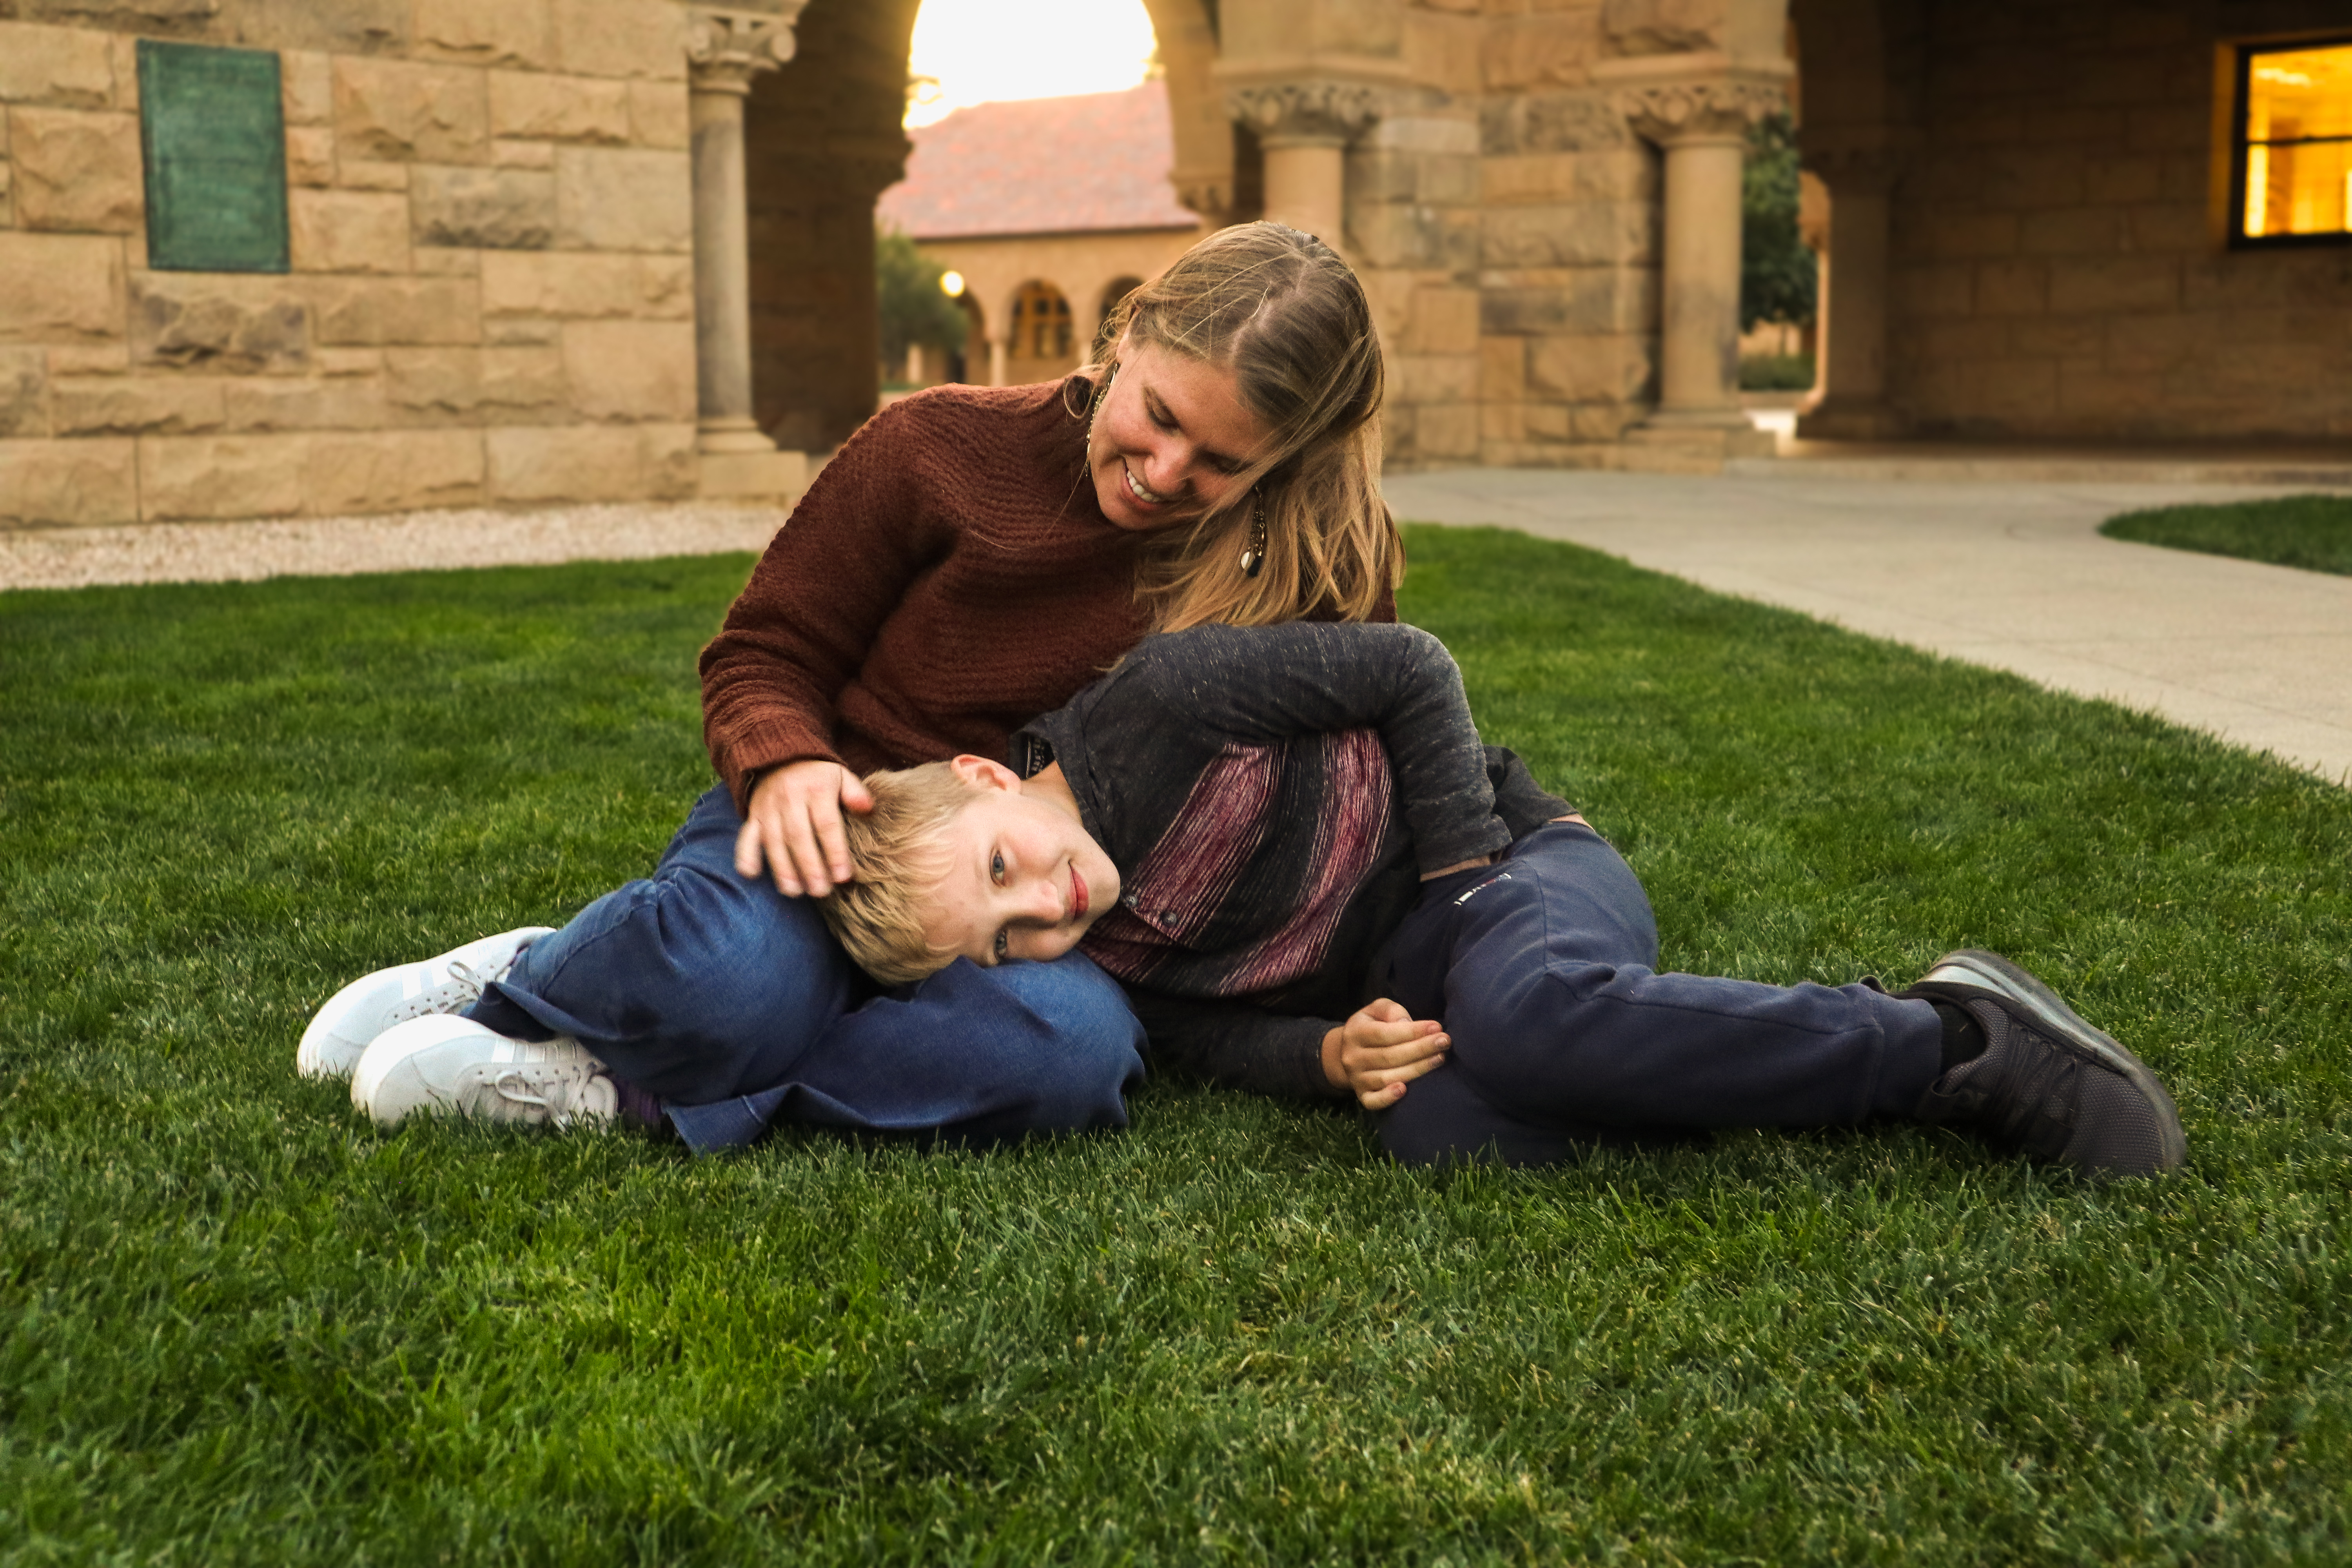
column 967, row 859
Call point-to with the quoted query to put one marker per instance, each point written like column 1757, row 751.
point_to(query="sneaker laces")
column 463, row 987
column 561, row 1084
column 2024, row 1083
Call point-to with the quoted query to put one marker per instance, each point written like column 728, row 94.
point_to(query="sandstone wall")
column 491, row 296
column 2059, row 264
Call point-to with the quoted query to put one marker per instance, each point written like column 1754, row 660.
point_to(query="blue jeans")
column 735, row 1006
column 1565, row 1035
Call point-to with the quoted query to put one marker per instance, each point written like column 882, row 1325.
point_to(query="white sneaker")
column 455, row 1067
column 356, row 1014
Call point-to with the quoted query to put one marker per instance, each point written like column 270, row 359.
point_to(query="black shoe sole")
column 1990, row 972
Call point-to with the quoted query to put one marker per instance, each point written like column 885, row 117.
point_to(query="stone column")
column 996, row 355
column 1305, row 128
column 724, row 50
column 1850, row 400
column 1702, row 128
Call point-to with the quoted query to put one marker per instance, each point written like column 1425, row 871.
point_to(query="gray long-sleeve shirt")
column 1271, row 796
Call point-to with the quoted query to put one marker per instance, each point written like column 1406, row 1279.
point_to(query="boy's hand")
column 795, row 825
column 1383, row 1048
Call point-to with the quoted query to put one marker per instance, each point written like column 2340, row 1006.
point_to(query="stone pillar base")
column 768, row 476
column 738, row 434
column 1694, row 448
column 1729, row 418
column 1837, row 418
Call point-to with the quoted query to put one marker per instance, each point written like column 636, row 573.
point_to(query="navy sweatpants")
column 1543, row 967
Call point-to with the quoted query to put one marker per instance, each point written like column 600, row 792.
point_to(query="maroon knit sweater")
column 946, row 578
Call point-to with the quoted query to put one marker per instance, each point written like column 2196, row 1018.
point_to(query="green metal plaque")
column 213, row 132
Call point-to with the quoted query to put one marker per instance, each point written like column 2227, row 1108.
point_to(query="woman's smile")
column 1171, row 439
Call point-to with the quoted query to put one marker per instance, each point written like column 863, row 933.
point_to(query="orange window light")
column 2298, row 141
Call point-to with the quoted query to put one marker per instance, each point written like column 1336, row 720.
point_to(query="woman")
column 973, row 556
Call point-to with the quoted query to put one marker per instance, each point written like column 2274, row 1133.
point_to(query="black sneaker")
column 2047, row 1084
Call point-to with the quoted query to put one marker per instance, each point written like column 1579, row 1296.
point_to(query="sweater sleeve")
column 804, row 625
column 1231, row 1042
column 1262, row 685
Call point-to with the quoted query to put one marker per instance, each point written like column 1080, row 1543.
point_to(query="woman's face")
column 1170, row 439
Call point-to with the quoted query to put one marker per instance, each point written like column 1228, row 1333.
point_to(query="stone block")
column 1962, row 235
column 447, row 261
column 1436, row 378
column 619, row 38
column 630, row 370
column 2012, row 287
column 2148, row 345
column 76, row 484
column 2176, row 228
column 306, row 87
column 1950, row 343
column 1550, row 122
column 136, row 405
column 335, row 27
column 372, row 312
column 348, row 362
column 1548, row 49
column 522, row 331
column 1578, row 301
column 24, row 393
column 1443, row 48
column 590, row 462
column 310, row 156
column 371, row 175
column 348, row 231
column 1442, row 321
column 392, row 470
column 1940, row 291
column 510, row 32
column 1503, row 368
column 2008, row 394
column 59, row 288
column 731, row 476
column 1625, row 175
column 2114, row 283
column 2046, row 177
column 8, row 201
column 1574, row 234
column 1445, row 135
column 71, row 67
column 571, row 284
column 285, row 403
column 560, row 108
column 1611, row 368
column 1446, row 432
column 392, row 110
column 193, row 476
column 658, row 114
column 2059, row 337
column 466, row 385
column 499, row 209
column 89, row 359
column 76, row 170
column 219, row 322
column 524, row 154
column 2081, row 231
column 624, row 199
column 2115, row 181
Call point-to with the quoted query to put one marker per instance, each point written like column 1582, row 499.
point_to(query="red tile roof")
column 1041, row 165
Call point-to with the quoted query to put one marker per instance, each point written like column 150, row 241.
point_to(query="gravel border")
column 347, row 546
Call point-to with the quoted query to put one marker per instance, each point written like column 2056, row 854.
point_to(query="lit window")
column 2293, row 164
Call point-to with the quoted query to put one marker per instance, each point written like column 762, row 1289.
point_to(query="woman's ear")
column 981, row 774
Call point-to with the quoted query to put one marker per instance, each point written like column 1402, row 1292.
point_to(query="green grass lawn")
column 2312, row 532
column 239, row 1325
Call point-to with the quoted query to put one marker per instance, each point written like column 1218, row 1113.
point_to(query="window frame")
column 2239, row 239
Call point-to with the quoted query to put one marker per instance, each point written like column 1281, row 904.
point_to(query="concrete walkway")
column 2009, row 574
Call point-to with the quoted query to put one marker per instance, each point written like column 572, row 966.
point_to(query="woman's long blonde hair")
column 1287, row 316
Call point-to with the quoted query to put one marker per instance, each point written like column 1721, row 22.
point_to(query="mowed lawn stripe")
column 242, row 1326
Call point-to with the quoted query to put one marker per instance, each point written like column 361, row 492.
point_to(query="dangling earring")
column 1254, row 556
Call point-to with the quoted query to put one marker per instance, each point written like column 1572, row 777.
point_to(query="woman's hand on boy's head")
column 1383, row 1048
column 793, row 828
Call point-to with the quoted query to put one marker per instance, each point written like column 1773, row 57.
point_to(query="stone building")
column 1051, row 209
column 261, row 258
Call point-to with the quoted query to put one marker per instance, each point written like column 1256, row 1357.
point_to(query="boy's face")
column 1024, row 879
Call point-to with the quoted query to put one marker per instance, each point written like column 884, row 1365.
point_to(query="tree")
column 913, row 310
column 1778, row 276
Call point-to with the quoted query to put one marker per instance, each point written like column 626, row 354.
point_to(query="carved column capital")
column 724, row 49
column 1677, row 112
column 1208, row 192
column 1322, row 112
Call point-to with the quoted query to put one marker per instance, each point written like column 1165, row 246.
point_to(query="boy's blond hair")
column 897, row 853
